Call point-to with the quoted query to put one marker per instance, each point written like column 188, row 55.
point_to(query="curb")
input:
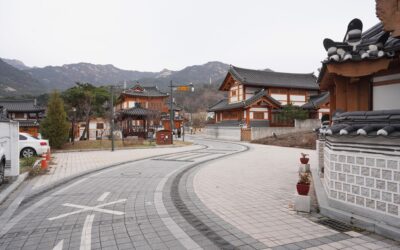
column 6, row 192
column 62, row 181
column 350, row 218
column 109, row 149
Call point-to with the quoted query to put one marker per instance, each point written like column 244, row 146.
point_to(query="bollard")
column 48, row 156
column 44, row 162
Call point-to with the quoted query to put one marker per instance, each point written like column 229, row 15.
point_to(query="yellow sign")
column 183, row 88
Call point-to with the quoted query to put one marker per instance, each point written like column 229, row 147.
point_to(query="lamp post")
column 112, row 119
column 182, row 88
column 73, row 125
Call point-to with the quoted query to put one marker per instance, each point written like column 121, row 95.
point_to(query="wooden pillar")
column 341, row 93
column 352, row 96
column 364, row 95
column 332, row 101
column 248, row 117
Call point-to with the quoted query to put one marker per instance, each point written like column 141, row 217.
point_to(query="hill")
column 17, row 82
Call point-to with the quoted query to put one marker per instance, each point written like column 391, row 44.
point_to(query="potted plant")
column 303, row 185
column 304, row 159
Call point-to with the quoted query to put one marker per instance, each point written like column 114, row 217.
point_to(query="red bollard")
column 44, row 162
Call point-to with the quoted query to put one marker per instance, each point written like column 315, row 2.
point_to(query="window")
column 258, row 115
column 19, row 115
column 233, row 93
column 22, row 138
column 100, row 126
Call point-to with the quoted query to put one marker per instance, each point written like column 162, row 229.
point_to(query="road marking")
column 103, row 196
column 35, row 206
column 86, row 238
column 83, row 208
column 59, row 246
column 174, row 228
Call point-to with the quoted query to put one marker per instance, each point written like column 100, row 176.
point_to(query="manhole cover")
column 335, row 225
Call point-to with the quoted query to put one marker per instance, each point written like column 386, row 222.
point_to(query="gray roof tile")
column 265, row 78
column 20, row 106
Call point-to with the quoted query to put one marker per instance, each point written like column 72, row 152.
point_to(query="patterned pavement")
column 221, row 196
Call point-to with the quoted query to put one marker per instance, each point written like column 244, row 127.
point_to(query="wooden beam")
column 358, row 69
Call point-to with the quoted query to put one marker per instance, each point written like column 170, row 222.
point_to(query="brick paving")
column 182, row 201
column 254, row 193
column 72, row 163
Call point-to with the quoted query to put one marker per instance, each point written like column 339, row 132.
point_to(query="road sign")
column 183, row 88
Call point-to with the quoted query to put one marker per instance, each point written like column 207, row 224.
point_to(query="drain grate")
column 335, row 225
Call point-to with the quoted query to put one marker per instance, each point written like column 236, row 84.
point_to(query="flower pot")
column 304, row 160
column 303, row 189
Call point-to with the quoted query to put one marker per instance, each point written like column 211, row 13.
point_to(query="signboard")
column 184, row 88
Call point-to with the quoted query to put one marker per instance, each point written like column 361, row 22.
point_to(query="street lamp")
column 183, row 88
column 73, row 125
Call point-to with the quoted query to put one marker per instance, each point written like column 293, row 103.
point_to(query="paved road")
column 131, row 206
column 153, row 204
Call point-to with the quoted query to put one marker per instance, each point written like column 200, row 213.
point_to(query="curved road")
column 139, row 205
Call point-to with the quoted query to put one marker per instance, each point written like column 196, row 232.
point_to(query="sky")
column 150, row 35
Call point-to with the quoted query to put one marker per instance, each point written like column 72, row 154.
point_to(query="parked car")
column 2, row 163
column 31, row 146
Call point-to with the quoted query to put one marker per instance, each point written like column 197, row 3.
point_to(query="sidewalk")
column 72, row 163
column 254, row 192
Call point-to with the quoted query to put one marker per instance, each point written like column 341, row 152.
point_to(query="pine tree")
column 55, row 126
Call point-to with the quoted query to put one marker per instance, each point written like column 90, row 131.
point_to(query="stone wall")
column 223, row 133
column 364, row 178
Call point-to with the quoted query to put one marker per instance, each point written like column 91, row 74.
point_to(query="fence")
column 254, row 133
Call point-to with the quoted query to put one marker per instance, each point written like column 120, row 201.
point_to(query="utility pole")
column 171, row 113
column 112, row 118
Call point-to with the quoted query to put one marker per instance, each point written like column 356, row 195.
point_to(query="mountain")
column 63, row 77
column 17, row 82
column 15, row 63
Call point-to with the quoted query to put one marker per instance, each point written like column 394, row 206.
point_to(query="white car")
column 2, row 164
column 30, row 146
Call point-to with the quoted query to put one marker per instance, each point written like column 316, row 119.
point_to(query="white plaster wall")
column 386, row 97
column 369, row 182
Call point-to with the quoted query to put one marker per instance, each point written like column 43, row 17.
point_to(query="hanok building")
column 360, row 152
column 255, row 97
column 26, row 112
column 145, row 109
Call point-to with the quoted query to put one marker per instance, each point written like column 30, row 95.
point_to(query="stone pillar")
column 320, row 152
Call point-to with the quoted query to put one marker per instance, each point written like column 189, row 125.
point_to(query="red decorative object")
column 303, row 189
column 304, row 160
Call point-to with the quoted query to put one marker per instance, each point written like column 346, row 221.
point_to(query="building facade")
column 359, row 152
column 255, row 97
column 143, row 109
column 26, row 112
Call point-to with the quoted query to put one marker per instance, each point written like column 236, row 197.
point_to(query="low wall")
column 307, row 124
column 300, row 126
column 363, row 179
column 222, row 133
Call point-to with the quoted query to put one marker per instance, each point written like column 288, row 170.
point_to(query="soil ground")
column 295, row 140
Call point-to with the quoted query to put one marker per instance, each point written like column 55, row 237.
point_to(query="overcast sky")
column 150, row 35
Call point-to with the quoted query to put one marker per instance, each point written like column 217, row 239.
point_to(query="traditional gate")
column 245, row 134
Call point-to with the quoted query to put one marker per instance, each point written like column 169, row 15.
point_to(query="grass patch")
column 26, row 165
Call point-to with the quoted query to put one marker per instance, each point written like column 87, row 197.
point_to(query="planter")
column 303, row 189
column 304, row 160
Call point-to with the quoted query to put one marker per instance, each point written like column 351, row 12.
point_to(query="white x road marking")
column 83, row 208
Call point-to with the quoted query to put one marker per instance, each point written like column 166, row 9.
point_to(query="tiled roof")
column 174, row 105
column 316, row 101
column 138, row 90
column 21, row 106
column 137, row 112
column 28, row 123
column 373, row 44
column 224, row 105
column 265, row 78
column 369, row 123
